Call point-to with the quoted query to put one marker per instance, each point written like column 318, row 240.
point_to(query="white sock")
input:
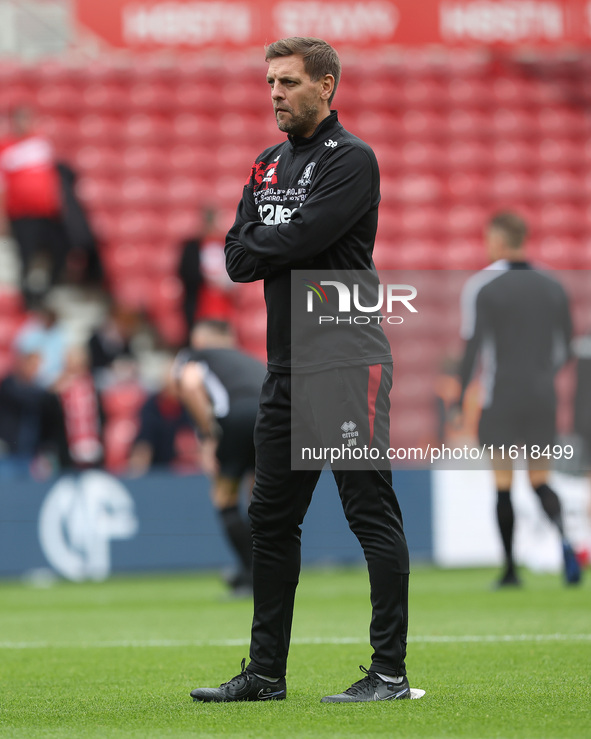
column 270, row 679
column 390, row 678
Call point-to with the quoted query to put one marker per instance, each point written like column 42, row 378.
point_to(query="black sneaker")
column 371, row 688
column 244, row 687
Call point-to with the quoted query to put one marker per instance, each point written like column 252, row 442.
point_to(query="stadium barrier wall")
column 90, row 525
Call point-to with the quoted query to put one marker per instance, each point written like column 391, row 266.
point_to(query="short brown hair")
column 319, row 57
column 513, row 226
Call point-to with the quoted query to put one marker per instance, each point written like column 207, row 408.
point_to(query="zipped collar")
column 327, row 125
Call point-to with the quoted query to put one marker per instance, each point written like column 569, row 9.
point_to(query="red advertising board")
column 196, row 24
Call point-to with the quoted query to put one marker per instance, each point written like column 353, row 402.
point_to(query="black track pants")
column 281, row 498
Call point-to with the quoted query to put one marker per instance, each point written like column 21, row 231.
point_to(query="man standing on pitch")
column 517, row 319
column 311, row 203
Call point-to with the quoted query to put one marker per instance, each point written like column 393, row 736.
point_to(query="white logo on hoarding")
column 79, row 518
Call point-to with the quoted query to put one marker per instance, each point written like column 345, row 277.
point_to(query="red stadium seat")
column 236, row 159
column 194, row 128
column 58, row 98
column 507, row 186
column 97, row 160
column 413, row 254
column 468, row 155
column 188, row 159
column 139, row 225
column 183, row 190
column 465, row 253
column 423, row 124
column 417, row 188
column 468, row 93
column 513, row 122
column 423, row 93
column 196, row 96
column 98, row 128
column 422, row 155
column 378, row 95
column 103, row 97
column 144, row 160
column 462, row 123
column 99, row 192
column 142, row 191
column 558, row 252
column 468, row 187
column 513, row 154
column 376, row 127
column 63, row 131
column 420, row 221
column 561, row 218
column 561, row 121
column 144, row 128
column 245, row 95
column 559, row 152
column 464, row 221
column 151, row 98
column 558, row 185
column 181, row 223
column 509, row 92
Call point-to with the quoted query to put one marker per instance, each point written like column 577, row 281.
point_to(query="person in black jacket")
column 311, row 203
column 518, row 319
column 220, row 387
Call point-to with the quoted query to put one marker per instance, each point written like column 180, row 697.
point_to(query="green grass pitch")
column 118, row 659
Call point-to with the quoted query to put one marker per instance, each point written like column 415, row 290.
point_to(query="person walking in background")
column 162, row 417
column 312, row 202
column 220, row 387
column 517, row 319
column 30, row 201
column 202, row 270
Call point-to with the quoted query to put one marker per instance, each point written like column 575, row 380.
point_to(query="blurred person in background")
column 110, row 350
column 312, row 202
column 202, row 270
column 162, row 417
column 220, row 387
column 82, row 410
column 517, row 319
column 45, row 329
column 30, row 201
column 31, row 417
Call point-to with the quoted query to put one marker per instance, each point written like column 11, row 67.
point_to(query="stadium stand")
column 456, row 139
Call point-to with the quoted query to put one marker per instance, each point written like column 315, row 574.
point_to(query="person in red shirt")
column 30, row 199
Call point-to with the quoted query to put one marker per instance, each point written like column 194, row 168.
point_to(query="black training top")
column 309, row 204
column 518, row 319
column 230, row 376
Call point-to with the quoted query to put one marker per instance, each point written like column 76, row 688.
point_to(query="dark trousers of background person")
column 35, row 235
column 281, row 498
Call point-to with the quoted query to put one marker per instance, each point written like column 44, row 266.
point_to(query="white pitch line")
column 434, row 639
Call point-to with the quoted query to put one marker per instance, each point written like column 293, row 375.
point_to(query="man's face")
column 299, row 103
